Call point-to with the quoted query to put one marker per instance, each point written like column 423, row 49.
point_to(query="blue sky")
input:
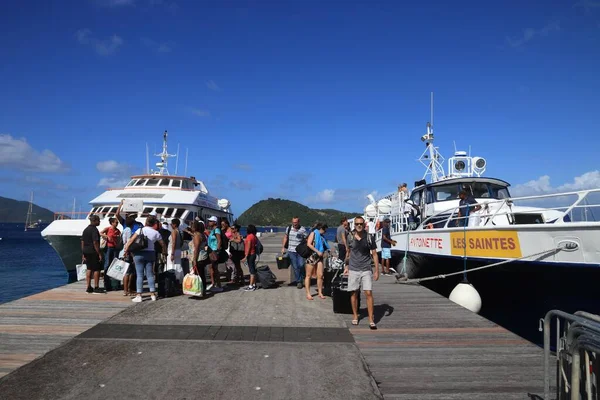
column 321, row 102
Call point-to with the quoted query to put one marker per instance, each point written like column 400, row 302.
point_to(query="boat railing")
column 579, row 210
column 80, row 215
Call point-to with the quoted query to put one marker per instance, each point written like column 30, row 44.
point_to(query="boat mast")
column 431, row 158
column 162, row 165
column 29, row 212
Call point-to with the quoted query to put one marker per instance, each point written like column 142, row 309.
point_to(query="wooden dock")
column 34, row 325
column 426, row 347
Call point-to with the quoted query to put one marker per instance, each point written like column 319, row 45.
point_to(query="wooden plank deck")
column 34, row 325
column 427, row 347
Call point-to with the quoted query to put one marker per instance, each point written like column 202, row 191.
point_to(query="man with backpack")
column 294, row 234
column 363, row 250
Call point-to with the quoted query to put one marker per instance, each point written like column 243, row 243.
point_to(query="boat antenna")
column 454, row 141
column 431, row 109
column 177, row 159
column 186, row 159
column 147, row 160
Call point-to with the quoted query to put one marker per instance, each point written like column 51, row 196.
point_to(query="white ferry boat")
column 169, row 196
column 545, row 248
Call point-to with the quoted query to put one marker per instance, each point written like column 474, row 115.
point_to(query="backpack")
column 266, row 277
column 119, row 243
column 259, row 247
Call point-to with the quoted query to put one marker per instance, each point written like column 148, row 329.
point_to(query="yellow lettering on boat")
column 501, row 244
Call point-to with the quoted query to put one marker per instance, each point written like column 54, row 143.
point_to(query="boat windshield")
column 476, row 189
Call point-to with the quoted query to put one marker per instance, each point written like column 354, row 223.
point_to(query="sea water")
column 29, row 265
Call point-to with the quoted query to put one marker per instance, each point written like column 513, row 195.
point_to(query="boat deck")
column 269, row 342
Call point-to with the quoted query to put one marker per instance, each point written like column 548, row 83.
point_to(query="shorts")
column 360, row 280
column 92, row 261
column 386, row 253
column 252, row 264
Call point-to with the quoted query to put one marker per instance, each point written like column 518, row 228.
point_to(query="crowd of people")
column 159, row 247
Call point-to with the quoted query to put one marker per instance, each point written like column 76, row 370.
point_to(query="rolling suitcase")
column 341, row 296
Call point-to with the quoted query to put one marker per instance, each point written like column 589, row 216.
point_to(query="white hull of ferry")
column 573, row 244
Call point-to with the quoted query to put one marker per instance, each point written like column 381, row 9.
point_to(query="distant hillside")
column 16, row 211
column 279, row 212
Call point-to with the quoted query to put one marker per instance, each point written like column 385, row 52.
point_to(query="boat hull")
column 68, row 249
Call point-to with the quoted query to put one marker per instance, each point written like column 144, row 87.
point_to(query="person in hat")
column 386, row 247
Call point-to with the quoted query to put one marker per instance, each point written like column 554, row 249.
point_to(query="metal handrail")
column 583, row 322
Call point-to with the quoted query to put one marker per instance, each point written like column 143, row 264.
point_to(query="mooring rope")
column 442, row 276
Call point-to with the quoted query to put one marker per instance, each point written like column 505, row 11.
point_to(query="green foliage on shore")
column 279, row 212
column 12, row 211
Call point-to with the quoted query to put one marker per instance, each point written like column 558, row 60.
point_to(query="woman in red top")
column 250, row 256
column 112, row 235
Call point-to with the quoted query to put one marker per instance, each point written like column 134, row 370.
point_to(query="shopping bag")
column 81, row 271
column 117, row 269
column 192, row 284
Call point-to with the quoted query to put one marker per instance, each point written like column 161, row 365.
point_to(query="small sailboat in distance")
column 29, row 221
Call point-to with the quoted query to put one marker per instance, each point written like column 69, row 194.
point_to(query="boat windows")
column 141, row 182
column 152, row 182
column 428, row 196
column 165, row 182
column 176, row 183
column 446, row 192
column 105, row 210
column 132, row 182
column 477, row 189
column 160, row 210
column 188, row 185
column 147, row 211
column 169, row 212
column 179, row 212
column 416, row 197
column 112, row 212
column 499, row 192
column 190, row 217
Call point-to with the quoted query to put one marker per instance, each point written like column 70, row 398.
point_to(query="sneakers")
column 250, row 288
column 99, row 291
column 209, row 287
column 137, row 299
column 300, row 285
column 153, row 297
column 89, row 290
column 216, row 289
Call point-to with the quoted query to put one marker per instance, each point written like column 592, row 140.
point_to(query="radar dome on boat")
column 465, row 295
column 370, row 210
column 224, row 203
column 385, row 206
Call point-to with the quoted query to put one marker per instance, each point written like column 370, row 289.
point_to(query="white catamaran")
column 547, row 245
column 169, row 196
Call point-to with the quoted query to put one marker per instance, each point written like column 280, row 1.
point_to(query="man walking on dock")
column 363, row 250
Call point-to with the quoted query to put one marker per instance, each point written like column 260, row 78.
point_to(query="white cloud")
column 18, row 154
column 103, row 47
column 324, row 196
column 531, row 33
column 200, row 112
column 587, row 5
column 159, row 47
column 119, row 173
column 113, row 182
column 112, row 167
column 212, row 85
column 542, row 185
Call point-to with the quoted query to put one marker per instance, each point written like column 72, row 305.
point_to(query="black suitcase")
column 168, row 286
column 341, row 296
